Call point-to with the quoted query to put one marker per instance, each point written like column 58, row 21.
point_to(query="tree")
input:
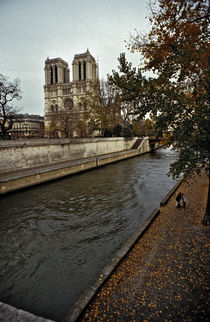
column 149, row 127
column 176, row 49
column 129, row 82
column 9, row 91
column 70, row 123
column 104, row 108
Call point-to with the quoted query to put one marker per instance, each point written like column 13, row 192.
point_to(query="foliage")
column 149, row 126
column 134, row 96
column 176, row 50
column 9, row 91
column 104, row 108
column 68, row 123
column 129, row 81
column 177, row 45
column 64, row 124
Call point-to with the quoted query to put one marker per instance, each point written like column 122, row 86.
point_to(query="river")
column 55, row 238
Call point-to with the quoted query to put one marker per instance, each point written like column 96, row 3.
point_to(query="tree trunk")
column 206, row 218
column 4, row 133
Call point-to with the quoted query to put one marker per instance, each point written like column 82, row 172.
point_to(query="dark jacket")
column 179, row 197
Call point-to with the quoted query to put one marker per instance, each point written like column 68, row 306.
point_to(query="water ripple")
column 55, row 238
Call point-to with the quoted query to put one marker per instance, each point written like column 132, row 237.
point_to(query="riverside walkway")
column 165, row 276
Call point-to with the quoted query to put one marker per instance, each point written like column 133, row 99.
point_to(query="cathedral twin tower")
column 65, row 103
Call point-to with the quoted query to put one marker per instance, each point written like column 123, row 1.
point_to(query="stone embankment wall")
column 29, row 153
column 28, row 163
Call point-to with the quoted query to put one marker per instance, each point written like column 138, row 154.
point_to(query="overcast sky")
column 32, row 30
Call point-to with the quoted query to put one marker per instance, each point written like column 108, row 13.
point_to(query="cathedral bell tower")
column 56, row 71
column 65, row 101
column 84, row 68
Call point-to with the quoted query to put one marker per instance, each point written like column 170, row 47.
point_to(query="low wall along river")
column 30, row 153
column 27, row 163
column 57, row 237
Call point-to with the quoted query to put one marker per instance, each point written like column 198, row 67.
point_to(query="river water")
column 55, row 238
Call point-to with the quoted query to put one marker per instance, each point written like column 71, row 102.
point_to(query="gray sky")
column 32, row 30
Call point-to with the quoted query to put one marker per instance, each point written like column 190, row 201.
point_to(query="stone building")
column 65, row 104
column 27, row 126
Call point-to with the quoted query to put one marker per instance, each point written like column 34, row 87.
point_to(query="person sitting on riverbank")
column 184, row 200
column 178, row 199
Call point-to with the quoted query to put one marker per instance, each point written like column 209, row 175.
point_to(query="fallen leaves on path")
column 165, row 277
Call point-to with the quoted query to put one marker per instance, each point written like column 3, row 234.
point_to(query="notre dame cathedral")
column 65, row 103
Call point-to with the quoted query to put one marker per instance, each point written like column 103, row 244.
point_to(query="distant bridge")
column 153, row 142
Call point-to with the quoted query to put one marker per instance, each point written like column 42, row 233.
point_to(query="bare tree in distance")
column 9, row 92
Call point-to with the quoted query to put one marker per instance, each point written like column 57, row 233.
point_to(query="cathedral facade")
column 65, row 104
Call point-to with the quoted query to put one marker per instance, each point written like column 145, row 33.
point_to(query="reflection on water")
column 55, row 238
